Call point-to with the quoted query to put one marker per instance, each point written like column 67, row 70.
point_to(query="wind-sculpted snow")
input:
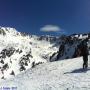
column 59, row 75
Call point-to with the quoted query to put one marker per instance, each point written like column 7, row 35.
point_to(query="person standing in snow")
column 84, row 53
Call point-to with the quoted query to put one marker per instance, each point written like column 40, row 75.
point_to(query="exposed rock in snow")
column 59, row 75
column 69, row 46
column 20, row 52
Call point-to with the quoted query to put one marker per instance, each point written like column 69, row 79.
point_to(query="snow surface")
column 59, row 75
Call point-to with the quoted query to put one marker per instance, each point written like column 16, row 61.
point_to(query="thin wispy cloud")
column 50, row 28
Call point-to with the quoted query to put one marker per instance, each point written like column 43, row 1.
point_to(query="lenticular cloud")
column 50, row 28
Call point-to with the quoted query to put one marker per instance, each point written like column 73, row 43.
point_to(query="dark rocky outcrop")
column 2, row 32
column 69, row 47
column 24, row 61
column 7, row 52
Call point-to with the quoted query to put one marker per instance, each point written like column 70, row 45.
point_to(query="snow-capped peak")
column 8, row 31
column 18, row 52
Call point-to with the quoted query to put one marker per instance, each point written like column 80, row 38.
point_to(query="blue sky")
column 46, row 16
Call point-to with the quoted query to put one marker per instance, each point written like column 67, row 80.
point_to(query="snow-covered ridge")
column 80, row 36
column 9, row 31
column 19, row 52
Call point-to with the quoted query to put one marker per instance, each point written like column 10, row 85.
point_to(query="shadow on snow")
column 80, row 70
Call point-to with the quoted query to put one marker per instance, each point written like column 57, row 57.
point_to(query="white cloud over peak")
column 50, row 28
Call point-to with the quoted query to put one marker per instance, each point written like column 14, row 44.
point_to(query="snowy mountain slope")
column 18, row 52
column 59, row 75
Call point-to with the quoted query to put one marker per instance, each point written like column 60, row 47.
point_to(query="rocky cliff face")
column 70, row 46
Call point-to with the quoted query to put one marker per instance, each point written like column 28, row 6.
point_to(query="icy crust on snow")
column 19, row 52
column 60, row 75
